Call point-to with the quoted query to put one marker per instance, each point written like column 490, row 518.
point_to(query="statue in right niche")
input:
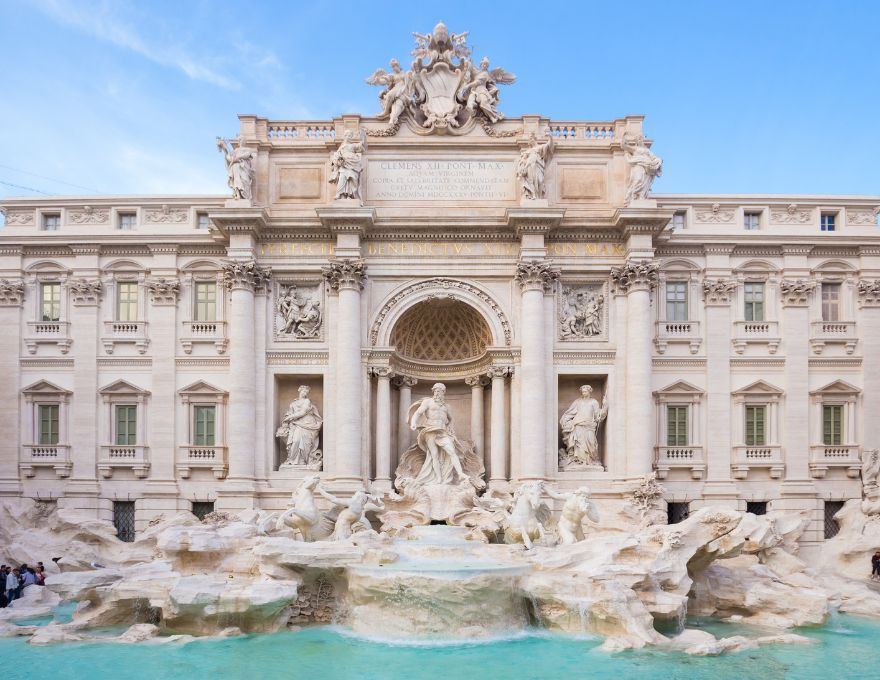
column 580, row 423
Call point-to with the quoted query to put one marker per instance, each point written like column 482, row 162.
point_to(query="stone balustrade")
column 49, row 333
column 680, row 457
column 765, row 456
column 119, row 456
column 756, row 332
column 207, row 332
column 824, row 457
column 55, row 456
column 214, row 458
column 668, row 332
column 833, row 332
column 125, row 332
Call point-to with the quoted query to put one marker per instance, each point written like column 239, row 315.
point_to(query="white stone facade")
column 443, row 272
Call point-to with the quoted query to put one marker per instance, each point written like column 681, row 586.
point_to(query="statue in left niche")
column 530, row 167
column 299, row 432
column 239, row 167
column 346, row 165
column 300, row 317
column 579, row 424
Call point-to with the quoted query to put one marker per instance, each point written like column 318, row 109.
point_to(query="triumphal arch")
column 170, row 352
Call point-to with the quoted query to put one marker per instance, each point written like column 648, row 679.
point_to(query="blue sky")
column 125, row 97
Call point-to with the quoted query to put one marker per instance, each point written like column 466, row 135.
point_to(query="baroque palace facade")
column 154, row 348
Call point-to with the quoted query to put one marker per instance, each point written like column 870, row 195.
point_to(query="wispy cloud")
column 106, row 21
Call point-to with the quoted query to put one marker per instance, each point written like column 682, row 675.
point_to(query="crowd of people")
column 15, row 579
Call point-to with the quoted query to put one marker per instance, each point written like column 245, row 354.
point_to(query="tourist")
column 875, row 565
column 28, row 577
column 40, row 574
column 12, row 585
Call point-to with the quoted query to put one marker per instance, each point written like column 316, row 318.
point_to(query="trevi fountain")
column 448, row 558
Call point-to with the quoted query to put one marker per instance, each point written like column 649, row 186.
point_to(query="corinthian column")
column 242, row 278
column 383, row 376
column 404, row 384
column 11, row 301
column 476, row 383
column 534, row 276
column 869, row 323
column 498, row 428
column 346, row 278
column 636, row 279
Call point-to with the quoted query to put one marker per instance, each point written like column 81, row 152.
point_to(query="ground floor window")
column 831, row 525
column 123, row 520
column 202, row 508
column 757, row 507
column 677, row 512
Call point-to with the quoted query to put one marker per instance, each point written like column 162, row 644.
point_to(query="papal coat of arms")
column 443, row 90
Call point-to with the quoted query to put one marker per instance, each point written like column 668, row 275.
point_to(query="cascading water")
column 438, row 588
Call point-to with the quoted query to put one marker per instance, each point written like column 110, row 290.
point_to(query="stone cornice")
column 533, row 220
column 635, row 275
column 244, row 274
column 164, row 248
column 796, row 249
column 718, row 248
column 347, row 219
column 536, row 275
column 345, row 274
column 85, row 248
column 642, row 220
column 239, row 220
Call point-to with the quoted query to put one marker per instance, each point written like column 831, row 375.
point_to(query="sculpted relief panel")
column 582, row 311
column 299, row 313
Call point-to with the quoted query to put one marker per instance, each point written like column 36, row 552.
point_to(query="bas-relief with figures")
column 444, row 315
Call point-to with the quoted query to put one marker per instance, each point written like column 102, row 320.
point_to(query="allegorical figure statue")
column 530, row 167
column 301, row 317
column 439, row 456
column 346, row 165
column 481, row 90
column 299, row 431
column 352, row 513
column 644, row 166
column 239, row 168
column 397, row 96
column 576, row 506
column 579, row 424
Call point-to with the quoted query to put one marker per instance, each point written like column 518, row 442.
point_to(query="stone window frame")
column 681, row 393
column 124, row 271
column 757, row 272
column 757, row 393
column 49, row 212
column 45, row 393
column 282, row 280
column 676, row 271
column 202, row 271
column 48, row 272
column 117, row 212
column 835, row 271
column 123, row 393
column 202, row 393
column 836, row 393
column 760, row 211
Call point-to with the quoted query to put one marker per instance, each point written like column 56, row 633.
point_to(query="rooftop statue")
column 239, row 167
column 530, row 167
column 443, row 90
column 346, row 165
column 644, row 166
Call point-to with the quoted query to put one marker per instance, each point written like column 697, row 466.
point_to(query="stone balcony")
column 833, row 332
column 55, row 456
column 48, row 333
column 207, row 332
column 122, row 332
column 134, row 458
column 678, row 458
column 212, row 458
column 766, row 457
column 825, row 456
column 685, row 332
column 756, row 332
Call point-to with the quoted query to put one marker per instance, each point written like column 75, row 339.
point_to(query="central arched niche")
column 441, row 331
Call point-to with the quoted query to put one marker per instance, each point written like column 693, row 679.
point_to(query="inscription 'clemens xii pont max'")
column 440, row 180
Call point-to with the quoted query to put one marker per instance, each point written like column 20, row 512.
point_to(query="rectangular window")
column 51, row 222
column 203, row 434
column 123, row 520
column 832, row 425
column 206, row 301
column 756, row 507
column 50, row 302
column 202, row 508
column 756, row 425
column 677, row 221
column 752, row 221
column 126, row 301
column 754, row 301
column 126, row 425
column 828, row 222
column 676, row 426
column 677, row 512
column 830, row 302
column 48, row 415
column 202, row 221
column 676, row 301
column 127, row 221
column 831, row 525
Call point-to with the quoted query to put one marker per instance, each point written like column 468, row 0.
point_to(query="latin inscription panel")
column 440, row 180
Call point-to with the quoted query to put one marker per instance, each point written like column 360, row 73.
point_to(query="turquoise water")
column 847, row 649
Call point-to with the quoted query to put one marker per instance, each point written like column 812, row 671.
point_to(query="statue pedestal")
column 238, row 203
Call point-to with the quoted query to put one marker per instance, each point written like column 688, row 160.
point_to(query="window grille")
column 202, row 508
column 828, row 222
column 831, row 525
column 123, row 520
column 677, row 512
column 756, row 507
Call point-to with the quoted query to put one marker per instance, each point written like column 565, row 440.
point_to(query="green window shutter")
column 832, row 425
column 126, row 425
column 204, row 426
column 48, row 416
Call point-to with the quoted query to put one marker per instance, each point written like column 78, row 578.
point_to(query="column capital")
column 499, row 372
column 244, row 274
column 11, row 292
column 795, row 293
column 717, row 292
column 869, row 293
column 635, row 275
column 345, row 274
column 380, row 372
column 476, row 381
column 536, row 274
column 164, row 291
column 86, row 292
column 401, row 381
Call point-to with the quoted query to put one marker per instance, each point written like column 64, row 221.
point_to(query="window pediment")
column 679, row 388
column 122, row 387
column 837, row 388
column 201, row 388
column 44, row 387
column 759, row 387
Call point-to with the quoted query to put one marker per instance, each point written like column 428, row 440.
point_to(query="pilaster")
column 11, row 301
